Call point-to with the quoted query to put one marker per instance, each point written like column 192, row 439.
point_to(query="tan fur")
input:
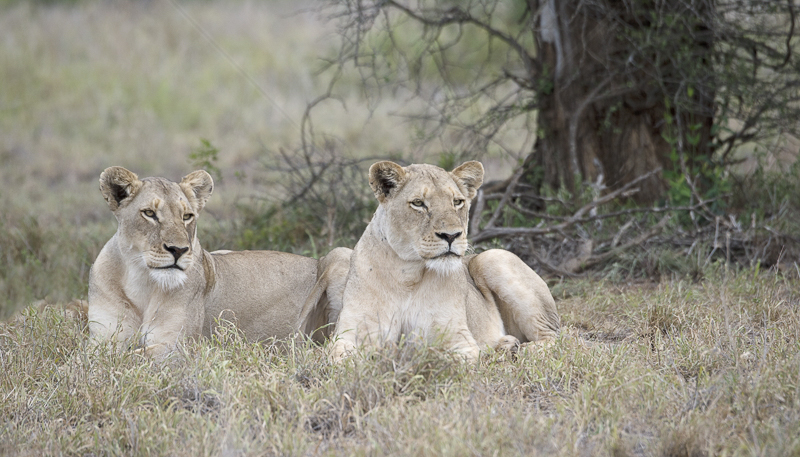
column 408, row 274
column 135, row 289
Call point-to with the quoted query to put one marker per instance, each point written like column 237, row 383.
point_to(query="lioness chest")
column 138, row 288
column 422, row 308
column 151, row 300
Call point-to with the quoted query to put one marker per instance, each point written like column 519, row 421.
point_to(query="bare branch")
column 456, row 15
column 654, row 230
column 494, row 232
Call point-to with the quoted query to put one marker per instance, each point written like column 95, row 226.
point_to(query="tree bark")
column 603, row 115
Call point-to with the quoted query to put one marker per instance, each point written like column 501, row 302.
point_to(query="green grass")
column 676, row 368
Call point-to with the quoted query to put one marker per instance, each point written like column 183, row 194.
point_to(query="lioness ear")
column 197, row 186
column 117, row 185
column 384, row 177
column 469, row 177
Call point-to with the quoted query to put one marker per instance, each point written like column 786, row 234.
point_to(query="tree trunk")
column 603, row 115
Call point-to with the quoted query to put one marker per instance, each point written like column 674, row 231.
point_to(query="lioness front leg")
column 112, row 319
column 358, row 327
column 463, row 343
column 156, row 341
column 167, row 324
column 454, row 328
column 342, row 348
column 352, row 330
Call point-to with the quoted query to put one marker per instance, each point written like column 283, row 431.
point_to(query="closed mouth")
column 174, row 265
column 447, row 254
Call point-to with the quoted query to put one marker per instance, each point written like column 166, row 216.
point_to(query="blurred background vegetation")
column 90, row 84
column 287, row 103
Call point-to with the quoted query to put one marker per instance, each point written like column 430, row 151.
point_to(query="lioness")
column 152, row 278
column 408, row 273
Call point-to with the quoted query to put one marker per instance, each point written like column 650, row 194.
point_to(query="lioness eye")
column 149, row 213
column 188, row 216
column 458, row 202
column 418, row 203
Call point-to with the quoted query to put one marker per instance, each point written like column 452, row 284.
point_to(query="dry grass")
column 673, row 369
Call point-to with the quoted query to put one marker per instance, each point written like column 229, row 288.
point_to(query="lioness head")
column 424, row 210
column 157, row 220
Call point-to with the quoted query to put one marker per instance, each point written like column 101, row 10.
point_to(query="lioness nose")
column 176, row 251
column 449, row 237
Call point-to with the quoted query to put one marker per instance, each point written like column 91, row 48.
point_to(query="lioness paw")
column 508, row 343
column 342, row 350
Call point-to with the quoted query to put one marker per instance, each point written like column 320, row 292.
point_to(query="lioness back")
column 263, row 293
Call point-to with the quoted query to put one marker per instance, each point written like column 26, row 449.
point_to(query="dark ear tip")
column 115, row 184
column 116, row 169
column 383, row 166
column 383, row 177
column 115, row 173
